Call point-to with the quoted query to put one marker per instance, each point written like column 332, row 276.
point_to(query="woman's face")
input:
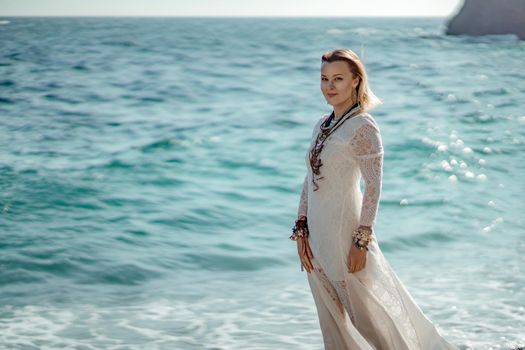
column 338, row 83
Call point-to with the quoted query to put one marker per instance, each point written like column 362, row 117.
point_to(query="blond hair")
column 365, row 97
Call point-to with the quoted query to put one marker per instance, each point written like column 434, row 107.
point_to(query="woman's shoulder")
column 366, row 118
column 351, row 127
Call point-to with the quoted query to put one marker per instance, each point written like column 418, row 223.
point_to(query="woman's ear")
column 356, row 82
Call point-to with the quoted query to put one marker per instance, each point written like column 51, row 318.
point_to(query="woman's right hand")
column 305, row 253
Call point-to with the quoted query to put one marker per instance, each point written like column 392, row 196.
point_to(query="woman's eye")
column 338, row 78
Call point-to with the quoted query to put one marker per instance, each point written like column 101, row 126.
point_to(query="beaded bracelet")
column 300, row 229
column 362, row 237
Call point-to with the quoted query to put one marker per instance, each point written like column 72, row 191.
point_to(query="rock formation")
column 485, row 17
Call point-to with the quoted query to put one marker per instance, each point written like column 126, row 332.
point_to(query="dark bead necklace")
column 326, row 129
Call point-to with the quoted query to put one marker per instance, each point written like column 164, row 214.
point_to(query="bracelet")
column 361, row 237
column 300, row 229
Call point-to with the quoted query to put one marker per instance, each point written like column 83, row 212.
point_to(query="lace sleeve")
column 303, row 201
column 367, row 148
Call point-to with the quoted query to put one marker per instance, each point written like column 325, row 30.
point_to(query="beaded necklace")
column 326, row 129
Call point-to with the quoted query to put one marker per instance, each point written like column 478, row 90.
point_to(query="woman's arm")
column 303, row 201
column 368, row 151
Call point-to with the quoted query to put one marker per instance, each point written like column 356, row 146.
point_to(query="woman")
column 360, row 302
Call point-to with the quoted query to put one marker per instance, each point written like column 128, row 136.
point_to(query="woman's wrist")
column 300, row 229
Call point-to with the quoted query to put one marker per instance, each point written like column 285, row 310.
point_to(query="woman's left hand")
column 356, row 259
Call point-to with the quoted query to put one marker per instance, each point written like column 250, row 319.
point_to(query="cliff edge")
column 485, row 17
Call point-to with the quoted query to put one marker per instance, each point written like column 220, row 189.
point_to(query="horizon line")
column 241, row 16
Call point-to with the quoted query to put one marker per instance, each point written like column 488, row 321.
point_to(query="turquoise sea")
column 150, row 172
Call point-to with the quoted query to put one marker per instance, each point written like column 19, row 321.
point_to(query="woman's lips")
column 331, row 95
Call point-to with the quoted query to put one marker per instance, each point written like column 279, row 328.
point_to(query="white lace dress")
column 369, row 309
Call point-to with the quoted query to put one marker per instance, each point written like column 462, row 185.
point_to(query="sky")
column 439, row 8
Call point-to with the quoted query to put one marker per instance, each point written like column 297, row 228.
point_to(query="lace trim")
column 342, row 292
column 337, row 291
column 385, row 289
column 325, row 281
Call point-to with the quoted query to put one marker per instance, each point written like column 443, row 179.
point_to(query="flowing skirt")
column 370, row 309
